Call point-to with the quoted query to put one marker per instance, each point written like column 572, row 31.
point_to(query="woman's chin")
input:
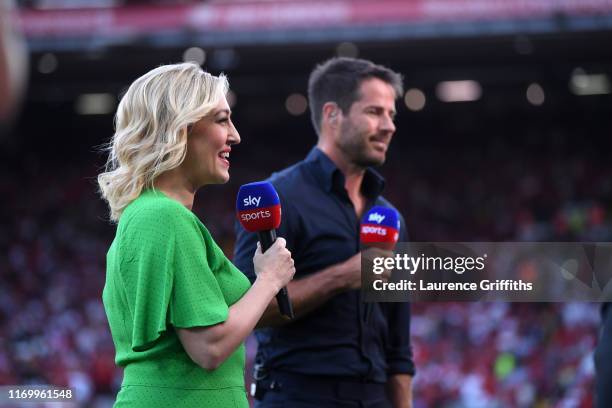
column 222, row 178
column 219, row 177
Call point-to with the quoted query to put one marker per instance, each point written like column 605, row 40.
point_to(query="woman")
column 178, row 309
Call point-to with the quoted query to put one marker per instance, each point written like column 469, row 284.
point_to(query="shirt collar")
column 329, row 176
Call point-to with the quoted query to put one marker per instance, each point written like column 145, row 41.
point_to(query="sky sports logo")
column 250, row 200
column 380, row 228
column 250, row 216
column 376, row 217
column 368, row 229
column 258, row 207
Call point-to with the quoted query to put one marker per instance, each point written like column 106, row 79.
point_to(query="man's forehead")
column 375, row 89
column 377, row 95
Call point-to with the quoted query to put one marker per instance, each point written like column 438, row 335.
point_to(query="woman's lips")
column 224, row 157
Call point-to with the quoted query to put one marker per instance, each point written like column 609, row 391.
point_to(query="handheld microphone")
column 379, row 228
column 258, row 210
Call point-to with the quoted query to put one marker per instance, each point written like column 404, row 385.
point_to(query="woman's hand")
column 209, row 346
column 275, row 266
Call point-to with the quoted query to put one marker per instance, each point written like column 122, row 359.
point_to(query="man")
column 330, row 355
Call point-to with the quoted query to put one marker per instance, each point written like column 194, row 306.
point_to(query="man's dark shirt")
column 322, row 229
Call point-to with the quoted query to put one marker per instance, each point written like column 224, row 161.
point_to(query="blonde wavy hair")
column 151, row 128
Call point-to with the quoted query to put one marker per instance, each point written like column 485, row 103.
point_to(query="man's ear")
column 331, row 113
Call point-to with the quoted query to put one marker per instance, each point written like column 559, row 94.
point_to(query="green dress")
column 164, row 271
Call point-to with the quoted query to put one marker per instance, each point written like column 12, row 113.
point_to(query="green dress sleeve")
column 197, row 298
column 171, row 282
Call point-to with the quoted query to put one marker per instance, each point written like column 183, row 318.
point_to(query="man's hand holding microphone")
column 379, row 232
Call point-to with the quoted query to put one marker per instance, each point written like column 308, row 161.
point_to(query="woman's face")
column 208, row 147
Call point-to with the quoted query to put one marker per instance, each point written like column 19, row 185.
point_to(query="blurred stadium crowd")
column 53, row 328
column 542, row 176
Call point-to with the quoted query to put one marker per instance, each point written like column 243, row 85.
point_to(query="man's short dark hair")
column 338, row 80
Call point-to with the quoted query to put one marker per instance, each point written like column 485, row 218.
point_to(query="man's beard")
column 355, row 146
